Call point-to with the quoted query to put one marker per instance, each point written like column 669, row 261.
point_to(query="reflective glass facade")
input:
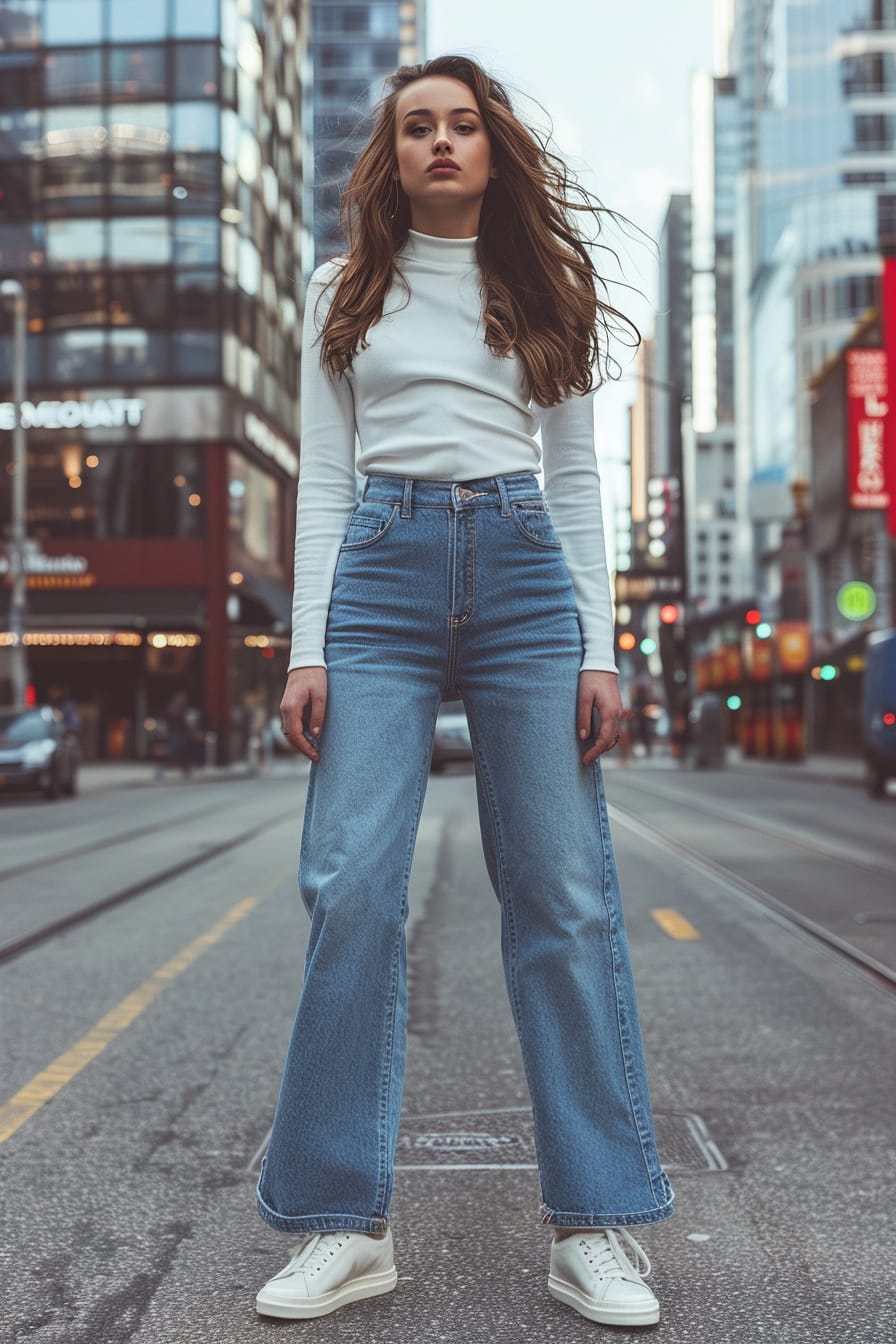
column 151, row 190
column 355, row 47
column 816, row 96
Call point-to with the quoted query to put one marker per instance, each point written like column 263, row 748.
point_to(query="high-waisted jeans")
column 444, row 588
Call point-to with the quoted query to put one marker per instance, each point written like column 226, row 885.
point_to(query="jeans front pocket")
column 534, row 522
column 370, row 521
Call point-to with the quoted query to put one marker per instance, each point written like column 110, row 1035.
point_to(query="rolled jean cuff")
column 563, row 1217
column 318, row 1222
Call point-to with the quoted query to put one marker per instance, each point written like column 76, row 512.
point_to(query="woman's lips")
column 443, row 170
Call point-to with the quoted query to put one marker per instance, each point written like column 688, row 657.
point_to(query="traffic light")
column 753, row 617
column 825, row 672
column 665, row 545
column 627, row 640
column 670, row 613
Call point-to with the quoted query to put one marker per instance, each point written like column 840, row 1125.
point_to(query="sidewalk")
column 98, row 776
column 820, row 766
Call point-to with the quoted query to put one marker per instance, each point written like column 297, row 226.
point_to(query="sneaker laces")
column 311, row 1254
column 610, row 1259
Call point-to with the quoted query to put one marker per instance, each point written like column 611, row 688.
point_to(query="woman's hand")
column 598, row 691
column 303, row 705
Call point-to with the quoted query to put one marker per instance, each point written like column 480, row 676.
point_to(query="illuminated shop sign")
column 868, row 403
column 38, row 563
column 262, row 437
column 101, row 413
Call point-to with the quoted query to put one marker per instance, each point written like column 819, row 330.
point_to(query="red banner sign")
column 888, row 305
column 867, row 402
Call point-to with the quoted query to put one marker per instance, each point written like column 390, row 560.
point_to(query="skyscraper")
column 151, row 201
column 816, row 82
column 355, row 46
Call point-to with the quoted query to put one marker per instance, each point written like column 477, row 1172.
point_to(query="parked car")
column 879, row 711
column 38, row 752
column 452, row 736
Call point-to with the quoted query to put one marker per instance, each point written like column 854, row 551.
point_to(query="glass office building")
column 816, row 87
column 355, row 46
column 152, row 157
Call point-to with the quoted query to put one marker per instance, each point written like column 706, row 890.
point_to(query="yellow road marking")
column 45, row 1085
column 674, row 924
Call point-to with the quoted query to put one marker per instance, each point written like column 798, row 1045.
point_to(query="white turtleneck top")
column 428, row 398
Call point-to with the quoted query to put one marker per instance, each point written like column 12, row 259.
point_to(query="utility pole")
column 14, row 290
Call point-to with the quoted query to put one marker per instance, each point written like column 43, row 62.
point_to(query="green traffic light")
column 648, row 645
column 828, row 672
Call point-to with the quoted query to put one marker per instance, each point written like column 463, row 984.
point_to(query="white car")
column 452, row 736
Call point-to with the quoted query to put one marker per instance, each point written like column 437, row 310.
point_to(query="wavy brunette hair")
column 542, row 293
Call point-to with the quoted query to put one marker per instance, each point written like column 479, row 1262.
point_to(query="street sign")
column 856, row 601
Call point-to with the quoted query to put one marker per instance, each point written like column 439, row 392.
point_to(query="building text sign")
column 867, row 406
column 100, row 413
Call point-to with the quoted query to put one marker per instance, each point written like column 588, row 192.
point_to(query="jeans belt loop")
column 505, row 496
column 407, row 498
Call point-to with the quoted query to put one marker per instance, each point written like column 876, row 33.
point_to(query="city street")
column 142, row 1049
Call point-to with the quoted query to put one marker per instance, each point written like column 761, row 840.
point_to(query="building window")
column 137, row 72
column 196, row 70
column 73, row 23
column 75, row 240
column 197, row 126
column 131, row 490
column 70, row 76
column 138, row 299
column 20, row 24
column 195, row 18
column 138, row 20
column 138, row 354
column 137, row 242
column 139, row 183
column 196, row 241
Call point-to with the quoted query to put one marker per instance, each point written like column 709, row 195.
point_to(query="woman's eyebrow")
column 427, row 112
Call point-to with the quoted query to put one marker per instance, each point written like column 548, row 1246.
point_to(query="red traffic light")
column 753, row 617
column 669, row 614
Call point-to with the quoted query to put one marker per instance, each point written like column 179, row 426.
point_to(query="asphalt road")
column 141, row 1053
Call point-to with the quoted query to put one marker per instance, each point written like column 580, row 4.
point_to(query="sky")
column 614, row 79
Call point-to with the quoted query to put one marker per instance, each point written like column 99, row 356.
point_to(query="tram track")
column 207, row 851
column 107, row 842
column 733, row 883
column 813, row 844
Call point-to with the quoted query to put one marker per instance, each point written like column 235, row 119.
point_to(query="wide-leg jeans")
column 444, row 588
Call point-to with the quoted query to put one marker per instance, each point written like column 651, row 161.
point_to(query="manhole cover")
column 504, row 1138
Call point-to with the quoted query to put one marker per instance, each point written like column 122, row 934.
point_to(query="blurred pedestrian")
column 466, row 316
column 178, row 744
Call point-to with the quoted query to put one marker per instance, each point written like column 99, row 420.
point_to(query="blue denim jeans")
column 444, row 588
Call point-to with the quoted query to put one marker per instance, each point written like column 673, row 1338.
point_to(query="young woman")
column 464, row 318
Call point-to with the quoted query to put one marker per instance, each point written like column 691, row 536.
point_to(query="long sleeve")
column 572, row 491
column 327, row 483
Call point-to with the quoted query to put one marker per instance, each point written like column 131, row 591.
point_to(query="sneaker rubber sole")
column 367, row 1285
column 595, row 1311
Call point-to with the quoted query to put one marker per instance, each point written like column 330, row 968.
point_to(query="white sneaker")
column 327, row 1270
column 593, row 1272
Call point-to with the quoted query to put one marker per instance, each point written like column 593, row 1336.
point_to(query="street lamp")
column 14, row 291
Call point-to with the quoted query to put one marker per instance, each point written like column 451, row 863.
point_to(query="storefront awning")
column 134, row 608
column 274, row 600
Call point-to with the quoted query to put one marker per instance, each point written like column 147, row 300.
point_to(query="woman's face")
column 437, row 121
